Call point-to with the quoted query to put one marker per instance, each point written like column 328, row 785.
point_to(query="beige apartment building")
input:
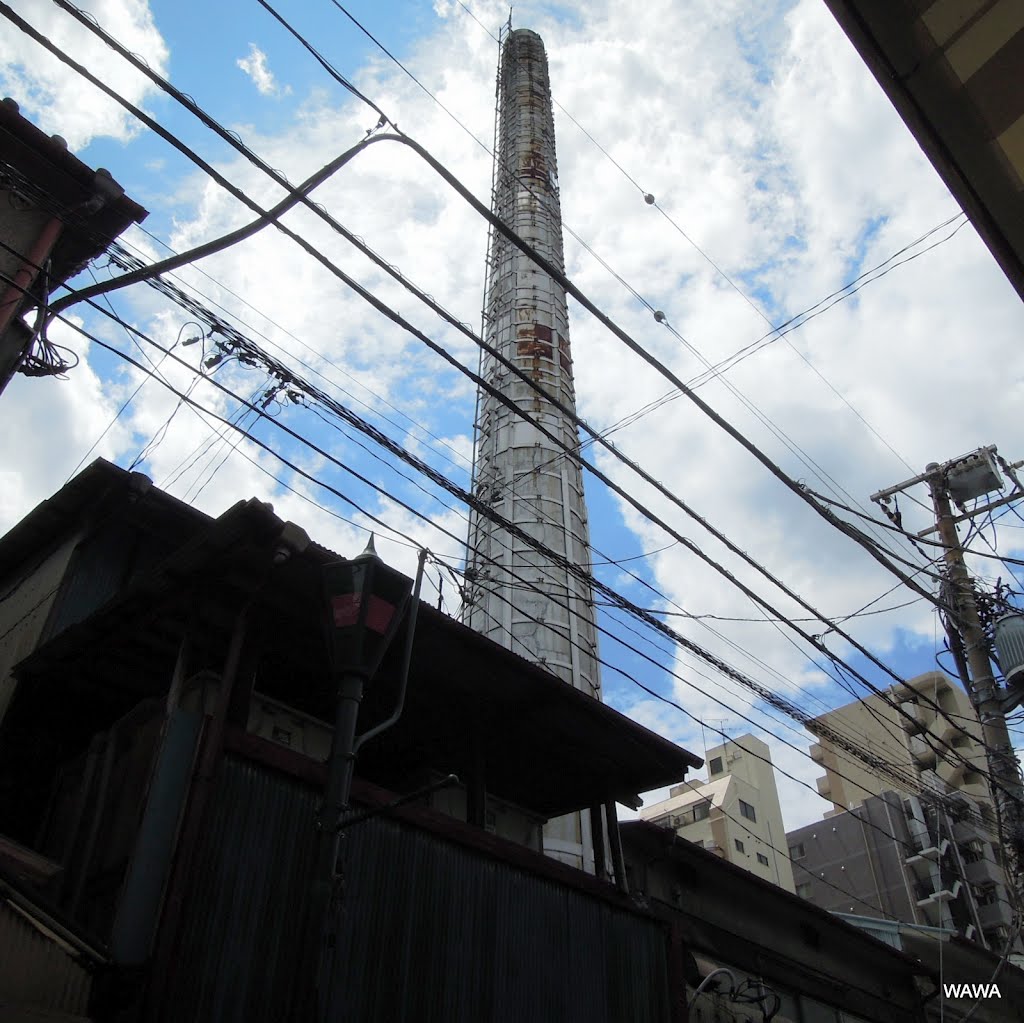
column 914, row 838
column 926, row 729
column 735, row 813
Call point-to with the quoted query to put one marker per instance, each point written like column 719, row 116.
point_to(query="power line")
column 495, row 223
column 872, row 761
column 467, row 498
column 793, row 323
column 659, row 316
column 385, row 309
column 427, row 157
column 639, row 297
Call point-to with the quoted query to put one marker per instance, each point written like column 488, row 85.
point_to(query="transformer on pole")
column 971, row 477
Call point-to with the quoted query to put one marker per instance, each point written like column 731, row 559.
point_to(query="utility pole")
column 963, row 479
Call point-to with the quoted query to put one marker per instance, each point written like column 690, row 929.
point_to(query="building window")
column 746, row 810
column 762, row 859
column 716, row 765
column 804, row 889
column 702, row 811
column 985, row 894
column 797, row 852
column 739, row 845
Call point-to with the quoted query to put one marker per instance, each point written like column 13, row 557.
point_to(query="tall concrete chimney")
column 518, row 597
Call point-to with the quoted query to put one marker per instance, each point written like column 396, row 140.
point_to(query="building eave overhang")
column 64, row 185
column 541, row 743
column 956, row 123
column 758, row 896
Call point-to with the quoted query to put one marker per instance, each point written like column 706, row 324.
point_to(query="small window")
column 762, row 859
column 739, row 845
column 804, row 889
column 702, row 811
column 797, row 852
column 985, row 894
column 716, row 765
column 746, row 810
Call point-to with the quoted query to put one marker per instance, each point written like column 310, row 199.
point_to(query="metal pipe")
column 703, row 984
column 615, row 841
column 26, row 273
column 326, row 886
column 94, row 825
column 265, row 219
column 406, row 659
column 15, row 293
column 79, row 812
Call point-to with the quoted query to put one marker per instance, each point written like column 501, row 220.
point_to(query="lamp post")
column 366, row 601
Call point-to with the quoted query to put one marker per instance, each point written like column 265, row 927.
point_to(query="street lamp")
column 366, row 602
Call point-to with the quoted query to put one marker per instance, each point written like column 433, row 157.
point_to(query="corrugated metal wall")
column 38, row 975
column 431, row 931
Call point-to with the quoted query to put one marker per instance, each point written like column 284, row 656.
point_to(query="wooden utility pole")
column 966, row 478
column 985, row 693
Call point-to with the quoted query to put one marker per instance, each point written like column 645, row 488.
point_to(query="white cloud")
column 255, row 66
column 57, row 99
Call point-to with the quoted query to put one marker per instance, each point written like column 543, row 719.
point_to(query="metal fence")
column 431, row 930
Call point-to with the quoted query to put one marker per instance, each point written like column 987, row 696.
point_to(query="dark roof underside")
column 471, row 705
column 954, row 73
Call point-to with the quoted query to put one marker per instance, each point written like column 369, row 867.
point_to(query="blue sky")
column 781, row 173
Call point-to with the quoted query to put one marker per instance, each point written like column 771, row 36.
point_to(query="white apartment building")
column 735, row 813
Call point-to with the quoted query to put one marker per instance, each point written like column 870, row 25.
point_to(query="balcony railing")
column 948, row 891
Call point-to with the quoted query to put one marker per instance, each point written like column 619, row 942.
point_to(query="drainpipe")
column 972, row 905
column 871, row 864
column 11, row 352
column 410, row 637
column 615, row 841
column 109, row 755
column 82, row 799
column 140, row 712
column 911, row 901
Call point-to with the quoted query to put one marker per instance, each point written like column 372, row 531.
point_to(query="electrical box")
column 973, row 475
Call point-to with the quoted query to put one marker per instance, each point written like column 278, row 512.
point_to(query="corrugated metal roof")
column 429, row 931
